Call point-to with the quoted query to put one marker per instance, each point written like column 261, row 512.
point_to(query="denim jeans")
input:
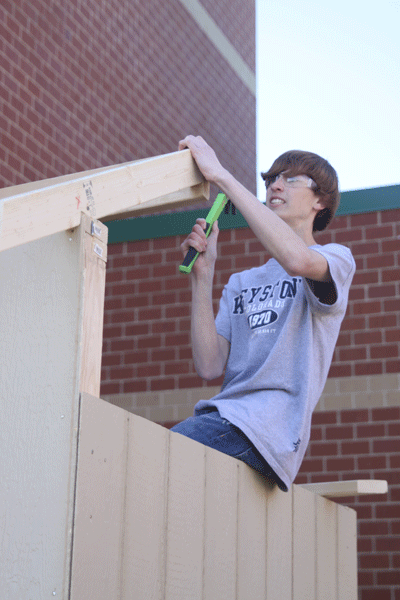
column 210, row 429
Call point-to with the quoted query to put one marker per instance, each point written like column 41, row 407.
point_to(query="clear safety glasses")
column 294, row 181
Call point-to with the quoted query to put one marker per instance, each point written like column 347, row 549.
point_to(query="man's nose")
column 279, row 183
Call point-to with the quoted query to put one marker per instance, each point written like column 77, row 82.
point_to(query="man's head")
column 298, row 162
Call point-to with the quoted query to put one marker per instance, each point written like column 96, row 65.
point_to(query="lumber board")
column 94, row 258
column 341, row 489
column 34, row 210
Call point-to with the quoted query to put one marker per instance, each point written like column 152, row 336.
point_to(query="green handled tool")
column 192, row 254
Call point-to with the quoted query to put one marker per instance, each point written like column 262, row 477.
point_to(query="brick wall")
column 364, row 444
column 91, row 84
column 147, row 311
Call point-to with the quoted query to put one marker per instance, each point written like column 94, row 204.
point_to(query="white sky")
column 328, row 81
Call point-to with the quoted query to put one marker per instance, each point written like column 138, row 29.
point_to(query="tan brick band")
column 221, row 42
column 369, row 391
column 341, row 393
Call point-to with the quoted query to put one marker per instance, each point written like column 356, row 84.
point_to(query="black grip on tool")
column 191, row 253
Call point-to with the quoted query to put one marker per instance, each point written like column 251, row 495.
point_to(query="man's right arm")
column 210, row 350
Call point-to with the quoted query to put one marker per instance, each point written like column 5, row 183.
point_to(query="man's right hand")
column 207, row 247
column 210, row 350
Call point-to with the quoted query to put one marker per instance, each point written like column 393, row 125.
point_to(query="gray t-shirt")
column 282, row 339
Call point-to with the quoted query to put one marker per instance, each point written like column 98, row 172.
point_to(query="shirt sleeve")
column 222, row 321
column 342, row 268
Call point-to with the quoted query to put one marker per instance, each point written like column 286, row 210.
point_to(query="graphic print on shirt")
column 263, row 304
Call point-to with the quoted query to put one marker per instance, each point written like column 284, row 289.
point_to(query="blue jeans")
column 210, row 429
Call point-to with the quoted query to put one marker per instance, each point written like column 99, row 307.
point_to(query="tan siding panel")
column 185, row 529
column 100, row 501
column 326, row 539
column 279, row 545
column 220, row 539
column 145, row 516
column 304, row 551
column 254, row 493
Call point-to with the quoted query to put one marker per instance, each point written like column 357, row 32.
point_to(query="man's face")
column 293, row 199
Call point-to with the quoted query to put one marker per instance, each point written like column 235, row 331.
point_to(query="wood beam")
column 34, row 210
column 341, row 489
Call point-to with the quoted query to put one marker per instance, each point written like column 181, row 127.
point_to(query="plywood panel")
column 185, row 530
column 304, row 545
column 254, row 493
column 326, row 546
column 40, row 322
column 220, row 537
column 144, row 544
column 279, row 545
column 100, row 501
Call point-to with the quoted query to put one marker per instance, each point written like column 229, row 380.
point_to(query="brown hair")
column 299, row 162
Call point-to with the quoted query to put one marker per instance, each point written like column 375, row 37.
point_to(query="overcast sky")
column 328, row 81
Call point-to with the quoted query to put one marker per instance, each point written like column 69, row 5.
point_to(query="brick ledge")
column 340, row 393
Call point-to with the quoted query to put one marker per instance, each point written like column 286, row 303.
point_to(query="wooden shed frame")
column 97, row 503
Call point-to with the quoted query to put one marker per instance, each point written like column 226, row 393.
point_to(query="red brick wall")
column 240, row 31
column 364, row 444
column 147, row 311
column 90, row 84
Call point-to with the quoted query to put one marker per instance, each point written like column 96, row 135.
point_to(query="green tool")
column 192, row 254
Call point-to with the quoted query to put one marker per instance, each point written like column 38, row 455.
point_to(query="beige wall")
column 341, row 393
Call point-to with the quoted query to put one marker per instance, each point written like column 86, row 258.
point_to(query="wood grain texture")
column 32, row 211
column 94, row 259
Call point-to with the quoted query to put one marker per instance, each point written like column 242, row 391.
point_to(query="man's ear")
column 319, row 204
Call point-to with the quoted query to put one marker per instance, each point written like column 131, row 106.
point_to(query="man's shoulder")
column 334, row 250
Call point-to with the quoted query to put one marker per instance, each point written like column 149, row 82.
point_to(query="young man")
column 277, row 325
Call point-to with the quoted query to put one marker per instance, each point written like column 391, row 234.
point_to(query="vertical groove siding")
column 217, row 529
